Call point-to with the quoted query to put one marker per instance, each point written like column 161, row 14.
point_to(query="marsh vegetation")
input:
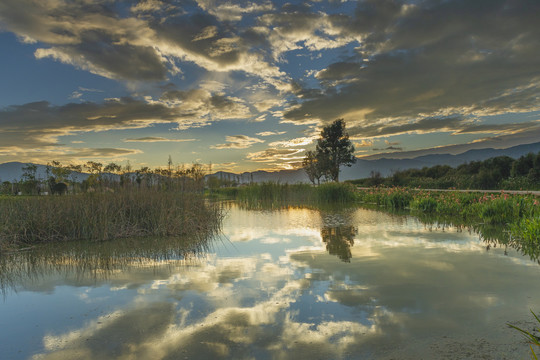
column 105, row 207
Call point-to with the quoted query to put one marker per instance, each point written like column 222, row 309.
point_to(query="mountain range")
column 13, row 171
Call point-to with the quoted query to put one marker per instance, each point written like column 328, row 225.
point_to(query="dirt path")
column 516, row 192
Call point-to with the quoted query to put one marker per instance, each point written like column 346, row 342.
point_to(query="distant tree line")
column 501, row 172
column 61, row 178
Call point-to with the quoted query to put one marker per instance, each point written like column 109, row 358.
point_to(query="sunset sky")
column 248, row 85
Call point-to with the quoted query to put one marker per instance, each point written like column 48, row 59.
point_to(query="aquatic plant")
column 519, row 213
column 335, row 192
column 268, row 194
column 533, row 339
column 424, row 204
column 104, row 215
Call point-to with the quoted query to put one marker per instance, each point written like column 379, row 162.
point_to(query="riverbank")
column 519, row 213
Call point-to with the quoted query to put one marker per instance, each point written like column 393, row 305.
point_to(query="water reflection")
column 339, row 240
column 87, row 262
column 275, row 287
column 493, row 235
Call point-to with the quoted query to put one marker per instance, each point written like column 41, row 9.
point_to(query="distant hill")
column 363, row 168
column 12, row 171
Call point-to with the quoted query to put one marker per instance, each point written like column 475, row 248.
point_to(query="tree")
column 313, row 167
column 334, row 149
column 29, row 182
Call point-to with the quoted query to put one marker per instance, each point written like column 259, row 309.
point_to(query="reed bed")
column 104, row 216
column 271, row 193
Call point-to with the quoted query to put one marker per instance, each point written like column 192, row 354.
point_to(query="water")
column 286, row 284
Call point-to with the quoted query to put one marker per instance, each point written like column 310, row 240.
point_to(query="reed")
column 279, row 194
column 533, row 340
column 104, row 216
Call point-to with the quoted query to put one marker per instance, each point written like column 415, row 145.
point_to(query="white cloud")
column 237, row 142
column 271, row 133
column 156, row 139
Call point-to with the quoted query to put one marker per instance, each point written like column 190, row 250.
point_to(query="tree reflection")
column 339, row 240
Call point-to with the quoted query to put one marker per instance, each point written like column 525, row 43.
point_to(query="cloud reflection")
column 404, row 289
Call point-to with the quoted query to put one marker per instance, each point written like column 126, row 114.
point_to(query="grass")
column 520, row 214
column 272, row 194
column 103, row 216
column 533, row 339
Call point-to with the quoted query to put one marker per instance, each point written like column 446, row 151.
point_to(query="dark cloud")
column 97, row 37
column 450, row 124
column 90, row 36
column 431, row 60
column 339, row 71
column 126, row 62
column 40, row 123
column 389, row 67
column 37, row 126
column 388, row 148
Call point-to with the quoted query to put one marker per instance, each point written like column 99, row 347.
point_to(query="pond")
column 294, row 283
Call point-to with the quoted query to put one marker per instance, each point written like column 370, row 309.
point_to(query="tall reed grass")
column 103, row 216
column 271, row 193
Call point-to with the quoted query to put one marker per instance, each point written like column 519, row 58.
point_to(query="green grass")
column 103, row 216
column 519, row 214
column 272, row 194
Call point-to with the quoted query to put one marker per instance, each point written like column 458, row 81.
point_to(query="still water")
column 294, row 283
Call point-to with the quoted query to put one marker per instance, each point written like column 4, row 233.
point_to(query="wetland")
column 285, row 283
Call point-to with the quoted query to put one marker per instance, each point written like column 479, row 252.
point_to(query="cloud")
column 363, row 143
column 301, row 141
column 156, row 139
column 527, row 136
column 272, row 154
column 36, row 128
column 297, row 27
column 453, row 125
column 237, row 142
column 387, row 67
column 388, row 148
column 271, row 133
column 421, row 61
column 65, row 154
column 204, row 106
column 147, row 44
column 125, row 62
column 234, row 10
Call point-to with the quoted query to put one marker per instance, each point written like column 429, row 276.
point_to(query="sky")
column 248, row 85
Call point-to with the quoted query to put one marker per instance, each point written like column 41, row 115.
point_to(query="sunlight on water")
column 294, row 283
